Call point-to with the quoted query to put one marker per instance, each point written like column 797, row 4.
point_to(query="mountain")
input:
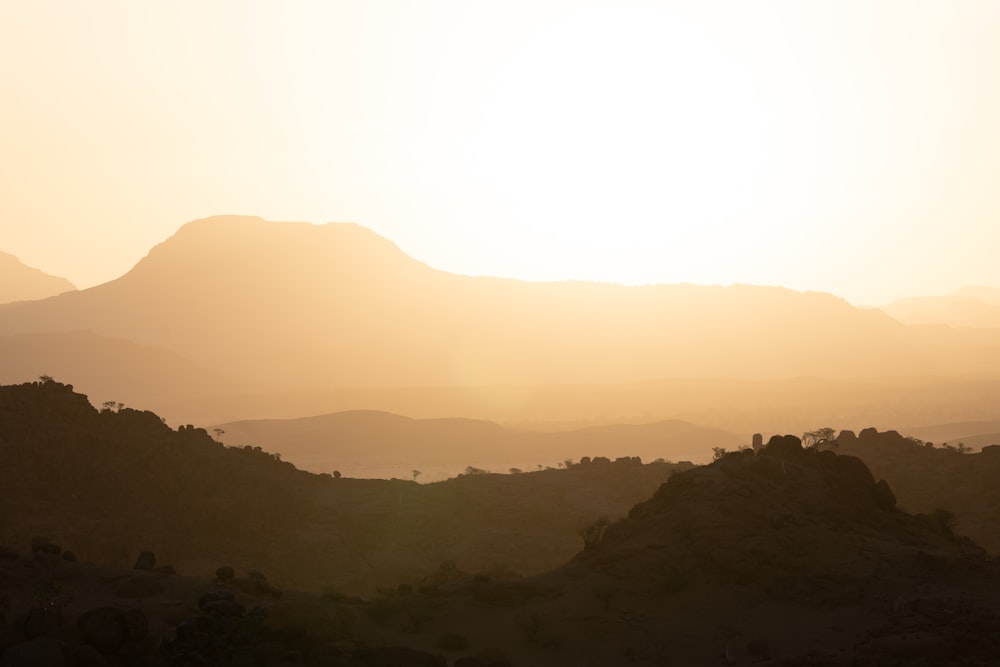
column 975, row 307
column 295, row 305
column 370, row 443
column 19, row 282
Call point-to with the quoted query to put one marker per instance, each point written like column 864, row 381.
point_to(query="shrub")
column 593, row 532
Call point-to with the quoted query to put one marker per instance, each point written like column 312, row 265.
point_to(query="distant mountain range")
column 292, row 305
column 977, row 307
column 368, row 443
column 19, row 282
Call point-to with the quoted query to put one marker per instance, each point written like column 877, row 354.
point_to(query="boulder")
column 783, row 445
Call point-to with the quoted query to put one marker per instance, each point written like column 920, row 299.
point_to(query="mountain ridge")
column 294, row 304
column 20, row 282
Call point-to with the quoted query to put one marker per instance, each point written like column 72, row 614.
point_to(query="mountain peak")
column 238, row 242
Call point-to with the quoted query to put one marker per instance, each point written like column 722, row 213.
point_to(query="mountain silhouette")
column 976, row 307
column 19, row 282
column 296, row 305
column 371, row 443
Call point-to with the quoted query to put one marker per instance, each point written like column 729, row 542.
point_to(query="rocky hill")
column 788, row 557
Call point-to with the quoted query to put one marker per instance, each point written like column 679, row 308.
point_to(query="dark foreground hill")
column 787, row 557
column 118, row 481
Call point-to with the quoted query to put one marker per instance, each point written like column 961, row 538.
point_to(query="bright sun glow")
column 621, row 129
column 631, row 141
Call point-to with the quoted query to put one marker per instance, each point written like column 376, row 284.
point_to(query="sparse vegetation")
column 592, row 532
column 821, row 437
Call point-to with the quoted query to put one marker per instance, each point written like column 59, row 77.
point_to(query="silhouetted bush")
column 593, row 532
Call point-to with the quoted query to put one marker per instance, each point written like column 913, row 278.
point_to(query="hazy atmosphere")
column 520, row 334
column 847, row 147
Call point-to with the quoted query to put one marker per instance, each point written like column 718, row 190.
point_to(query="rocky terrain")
column 790, row 556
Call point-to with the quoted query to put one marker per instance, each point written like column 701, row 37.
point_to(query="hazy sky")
column 851, row 147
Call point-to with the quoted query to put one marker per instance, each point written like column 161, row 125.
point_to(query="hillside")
column 19, row 282
column 294, row 305
column 787, row 557
column 113, row 483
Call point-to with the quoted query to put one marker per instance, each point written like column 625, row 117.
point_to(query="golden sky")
column 850, row 147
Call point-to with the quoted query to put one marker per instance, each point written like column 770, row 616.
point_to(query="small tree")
column 218, row 434
column 821, row 436
column 592, row 532
column 416, row 473
column 45, row 379
column 718, row 453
